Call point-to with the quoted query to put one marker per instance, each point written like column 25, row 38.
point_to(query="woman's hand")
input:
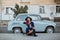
column 24, row 22
column 30, row 31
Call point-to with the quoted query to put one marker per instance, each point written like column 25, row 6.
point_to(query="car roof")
column 27, row 14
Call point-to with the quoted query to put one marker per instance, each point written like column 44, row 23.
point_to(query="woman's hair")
column 27, row 18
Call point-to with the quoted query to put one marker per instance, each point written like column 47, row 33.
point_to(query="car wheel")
column 50, row 30
column 16, row 30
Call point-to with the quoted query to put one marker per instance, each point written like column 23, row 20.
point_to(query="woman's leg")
column 28, row 31
column 34, row 34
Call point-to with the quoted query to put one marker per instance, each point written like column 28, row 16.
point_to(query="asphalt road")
column 41, row 36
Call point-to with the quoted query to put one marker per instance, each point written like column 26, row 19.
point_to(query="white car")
column 17, row 25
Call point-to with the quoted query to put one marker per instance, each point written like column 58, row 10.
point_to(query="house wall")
column 5, row 4
column 0, row 9
column 34, row 5
column 48, row 9
column 43, row 2
column 0, row 5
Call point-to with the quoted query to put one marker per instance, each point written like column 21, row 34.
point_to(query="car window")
column 21, row 17
column 35, row 17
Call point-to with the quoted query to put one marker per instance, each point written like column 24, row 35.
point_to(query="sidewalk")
column 3, row 29
column 41, row 36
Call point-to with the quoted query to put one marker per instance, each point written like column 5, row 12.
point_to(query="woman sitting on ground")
column 30, row 27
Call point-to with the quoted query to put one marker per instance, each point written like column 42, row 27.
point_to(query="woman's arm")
column 30, row 31
column 32, row 24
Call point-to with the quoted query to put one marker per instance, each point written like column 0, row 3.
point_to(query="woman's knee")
column 33, row 30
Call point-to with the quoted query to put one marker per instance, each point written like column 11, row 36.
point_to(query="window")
column 57, row 9
column 57, row 1
column 42, row 10
column 35, row 17
column 8, row 10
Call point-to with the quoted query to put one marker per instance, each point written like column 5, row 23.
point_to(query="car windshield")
column 21, row 17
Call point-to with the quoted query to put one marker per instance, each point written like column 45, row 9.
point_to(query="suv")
column 17, row 25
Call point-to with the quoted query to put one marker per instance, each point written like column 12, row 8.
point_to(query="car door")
column 37, row 22
column 21, row 20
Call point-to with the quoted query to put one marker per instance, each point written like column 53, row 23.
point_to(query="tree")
column 18, row 10
column 25, row 9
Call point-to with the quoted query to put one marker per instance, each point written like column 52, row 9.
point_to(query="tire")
column 16, row 30
column 49, row 30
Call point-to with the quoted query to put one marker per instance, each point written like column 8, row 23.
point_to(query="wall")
column 43, row 2
column 48, row 9
column 33, row 7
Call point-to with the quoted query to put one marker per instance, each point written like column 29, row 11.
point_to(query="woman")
column 30, row 27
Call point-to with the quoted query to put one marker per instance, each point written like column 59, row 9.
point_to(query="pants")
column 27, row 31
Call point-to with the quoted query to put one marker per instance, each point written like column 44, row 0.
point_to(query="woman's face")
column 28, row 19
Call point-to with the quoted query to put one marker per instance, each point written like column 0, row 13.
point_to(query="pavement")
column 57, row 30
column 41, row 36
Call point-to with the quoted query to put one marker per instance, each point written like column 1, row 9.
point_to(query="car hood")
column 12, row 21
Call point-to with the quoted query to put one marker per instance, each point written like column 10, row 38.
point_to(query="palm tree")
column 18, row 10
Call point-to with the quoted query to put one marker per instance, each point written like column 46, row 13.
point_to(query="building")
column 0, row 8
column 46, row 8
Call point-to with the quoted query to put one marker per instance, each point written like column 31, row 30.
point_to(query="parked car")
column 17, row 25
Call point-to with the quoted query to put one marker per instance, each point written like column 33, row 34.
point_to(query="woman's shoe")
column 35, row 35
